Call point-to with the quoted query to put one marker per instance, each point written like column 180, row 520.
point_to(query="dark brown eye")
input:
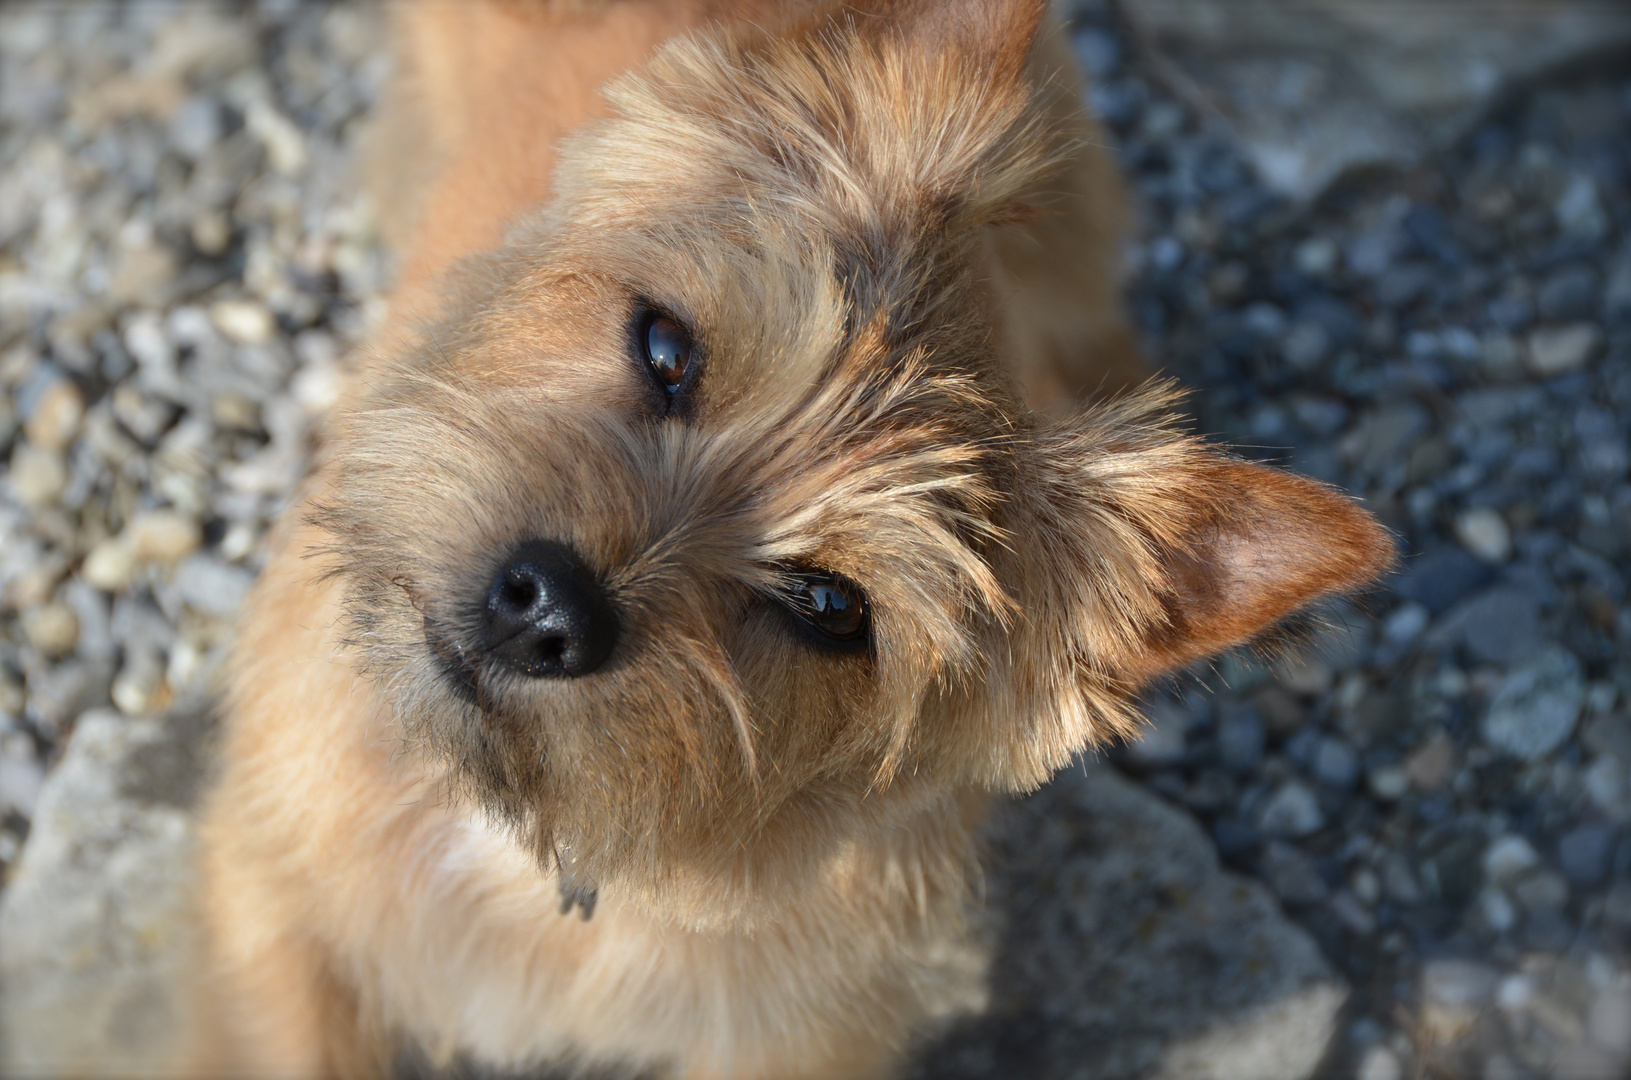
column 668, row 350
column 833, row 607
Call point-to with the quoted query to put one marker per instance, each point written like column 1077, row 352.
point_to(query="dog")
column 718, row 529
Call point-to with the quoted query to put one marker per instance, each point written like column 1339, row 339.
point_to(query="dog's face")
column 708, row 514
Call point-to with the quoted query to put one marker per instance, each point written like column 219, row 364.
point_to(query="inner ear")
column 1259, row 544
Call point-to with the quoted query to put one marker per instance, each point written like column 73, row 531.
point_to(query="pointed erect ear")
column 1169, row 550
column 1258, row 544
column 1139, row 549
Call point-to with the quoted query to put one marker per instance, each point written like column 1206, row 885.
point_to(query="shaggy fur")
column 857, row 211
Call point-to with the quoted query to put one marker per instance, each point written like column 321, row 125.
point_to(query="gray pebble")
column 1584, row 852
column 1291, row 874
column 1292, row 811
column 1536, row 706
column 1336, row 765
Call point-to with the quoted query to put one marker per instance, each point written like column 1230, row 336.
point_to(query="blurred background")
column 1389, row 246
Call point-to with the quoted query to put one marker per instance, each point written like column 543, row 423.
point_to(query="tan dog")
column 694, row 559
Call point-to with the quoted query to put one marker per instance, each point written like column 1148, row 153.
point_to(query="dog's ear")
column 1138, row 550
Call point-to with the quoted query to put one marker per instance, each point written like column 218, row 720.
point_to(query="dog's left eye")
column 833, row 607
column 668, row 350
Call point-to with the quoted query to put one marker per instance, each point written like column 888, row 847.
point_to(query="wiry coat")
column 780, row 834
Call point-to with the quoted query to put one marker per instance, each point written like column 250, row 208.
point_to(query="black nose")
column 547, row 616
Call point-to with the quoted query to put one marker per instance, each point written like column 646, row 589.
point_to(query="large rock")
column 1123, row 950
column 1315, row 87
column 97, row 928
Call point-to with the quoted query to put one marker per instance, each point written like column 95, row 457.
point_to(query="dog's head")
column 706, row 529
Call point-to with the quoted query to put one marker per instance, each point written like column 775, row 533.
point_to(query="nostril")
column 547, row 615
column 518, row 595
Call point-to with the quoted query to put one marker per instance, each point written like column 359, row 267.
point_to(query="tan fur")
column 878, row 221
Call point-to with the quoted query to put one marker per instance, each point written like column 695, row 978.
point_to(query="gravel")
column 1442, row 801
column 182, row 261
column 1437, row 787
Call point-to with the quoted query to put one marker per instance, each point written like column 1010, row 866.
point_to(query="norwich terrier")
column 710, row 541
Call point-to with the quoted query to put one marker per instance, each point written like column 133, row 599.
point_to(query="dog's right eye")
column 667, row 349
column 833, row 608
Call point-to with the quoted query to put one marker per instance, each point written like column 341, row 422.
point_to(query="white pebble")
column 38, row 476
column 53, row 629
column 163, row 536
column 244, row 321
column 1557, row 350
column 110, row 565
column 1508, row 856
column 1380, row 1063
column 1485, row 535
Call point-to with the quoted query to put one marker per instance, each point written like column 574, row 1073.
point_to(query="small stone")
column 1507, row 857
column 1291, row 874
column 1535, row 709
column 196, row 126
column 1292, row 811
column 1308, row 676
column 144, row 275
column 20, row 780
column 1608, row 1025
column 1484, row 533
column 53, row 629
column 1584, row 853
column 38, row 476
column 137, row 686
column 1305, row 345
column 110, row 565
column 244, row 321
column 1458, row 983
column 1573, row 293
column 1441, row 577
column 1558, row 350
column 1405, row 625
column 285, row 145
column 1380, row 1063
column 1501, row 355
column 1541, row 890
column 1317, row 256
column 1399, row 881
column 1609, row 733
column 57, row 417
column 1496, row 909
column 1429, row 767
column 163, row 536
column 1336, row 765
column 1500, row 625
column 1547, row 930
column 1605, row 783
column 211, row 586
column 1388, row 783
column 211, row 233
column 1515, row 993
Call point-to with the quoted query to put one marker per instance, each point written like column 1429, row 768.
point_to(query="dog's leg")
column 288, row 1017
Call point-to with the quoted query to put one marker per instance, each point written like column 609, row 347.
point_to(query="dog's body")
column 743, row 368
